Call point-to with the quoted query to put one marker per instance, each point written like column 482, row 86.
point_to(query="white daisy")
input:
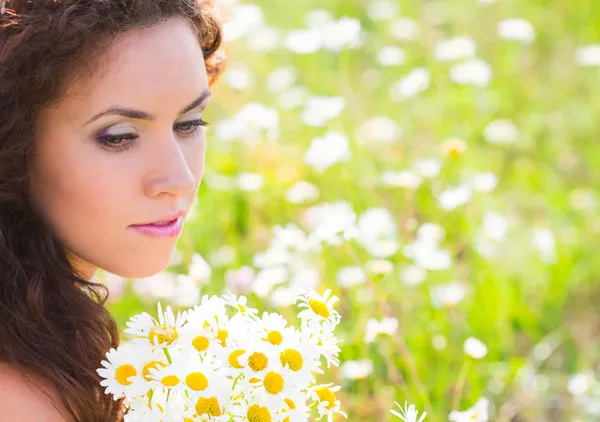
column 123, row 372
column 408, row 413
column 327, row 404
column 319, row 308
column 161, row 333
column 239, row 303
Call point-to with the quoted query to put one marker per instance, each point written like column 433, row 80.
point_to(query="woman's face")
column 91, row 192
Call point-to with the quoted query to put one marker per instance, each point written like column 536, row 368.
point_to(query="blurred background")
column 436, row 164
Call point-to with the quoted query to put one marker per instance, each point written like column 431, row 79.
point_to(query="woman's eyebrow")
column 142, row 115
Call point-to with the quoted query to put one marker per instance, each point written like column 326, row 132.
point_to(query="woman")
column 101, row 156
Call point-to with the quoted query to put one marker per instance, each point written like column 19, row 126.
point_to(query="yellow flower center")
column 223, row 337
column 208, row 406
column 325, row 394
column 258, row 413
column 163, row 334
column 170, row 381
column 275, row 337
column 197, row 381
column 292, row 358
column 241, row 307
column 233, row 358
column 273, row 383
column 148, row 366
column 319, row 308
column 290, row 403
column 123, row 372
column 200, row 343
column 257, row 361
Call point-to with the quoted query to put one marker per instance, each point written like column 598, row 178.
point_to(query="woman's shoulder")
column 25, row 397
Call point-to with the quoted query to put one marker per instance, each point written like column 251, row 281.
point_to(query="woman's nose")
column 171, row 172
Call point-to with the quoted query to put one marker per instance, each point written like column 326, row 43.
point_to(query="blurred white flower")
column 331, row 222
column 428, row 167
column 351, row 276
column 501, row 131
column 186, row 292
column 283, row 296
column 249, row 124
column 302, row 192
column 543, row 240
column 158, row 286
column 390, row 55
column 382, row 10
column 239, row 77
column 378, row 129
column 454, row 146
column 293, row 97
column 267, row 278
column 317, row 18
column 475, row 348
column 219, row 182
column 404, row 29
column 588, row 55
column 411, row 275
column 281, row 78
column 439, row 342
column 305, row 278
column 245, row 18
column 477, row 413
column 222, row 256
column 325, row 151
column 303, row 41
column 319, row 110
column 250, row 182
column 448, row 295
column 387, row 326
column 199, row 269
column 580, row 383
column 493, row 231
column 263, row 39
column 356, row 369
column 344, row 33
column 516, row 29
column 411, row 85
column 425, row 251
column 483, row 182
column 239, row 281
column 379, row 266
column 473, row 71
column 431, row 233
column 377, row 232
column 403, row 178
column 455, row 48
column 454, row 197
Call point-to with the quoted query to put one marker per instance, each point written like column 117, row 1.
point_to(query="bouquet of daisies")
column 221, row 361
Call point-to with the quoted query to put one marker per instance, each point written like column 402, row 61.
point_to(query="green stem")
column 460, row 384
column 167, row 355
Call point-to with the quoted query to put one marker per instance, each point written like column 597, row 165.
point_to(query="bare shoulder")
column 28, row 399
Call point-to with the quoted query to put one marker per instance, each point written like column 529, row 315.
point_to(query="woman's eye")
column 117, row 142
column 189, row 128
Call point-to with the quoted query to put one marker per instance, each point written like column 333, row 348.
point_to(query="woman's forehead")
column 161, row 66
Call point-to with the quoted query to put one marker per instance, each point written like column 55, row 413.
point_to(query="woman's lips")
column 171, row 229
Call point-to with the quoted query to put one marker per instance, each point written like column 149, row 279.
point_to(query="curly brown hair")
column 52, row 321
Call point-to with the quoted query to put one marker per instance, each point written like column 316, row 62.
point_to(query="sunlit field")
column 436, row 164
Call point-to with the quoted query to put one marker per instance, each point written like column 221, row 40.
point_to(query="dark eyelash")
column 111, row 140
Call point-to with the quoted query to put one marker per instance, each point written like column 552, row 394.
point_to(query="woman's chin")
column 140, row 270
